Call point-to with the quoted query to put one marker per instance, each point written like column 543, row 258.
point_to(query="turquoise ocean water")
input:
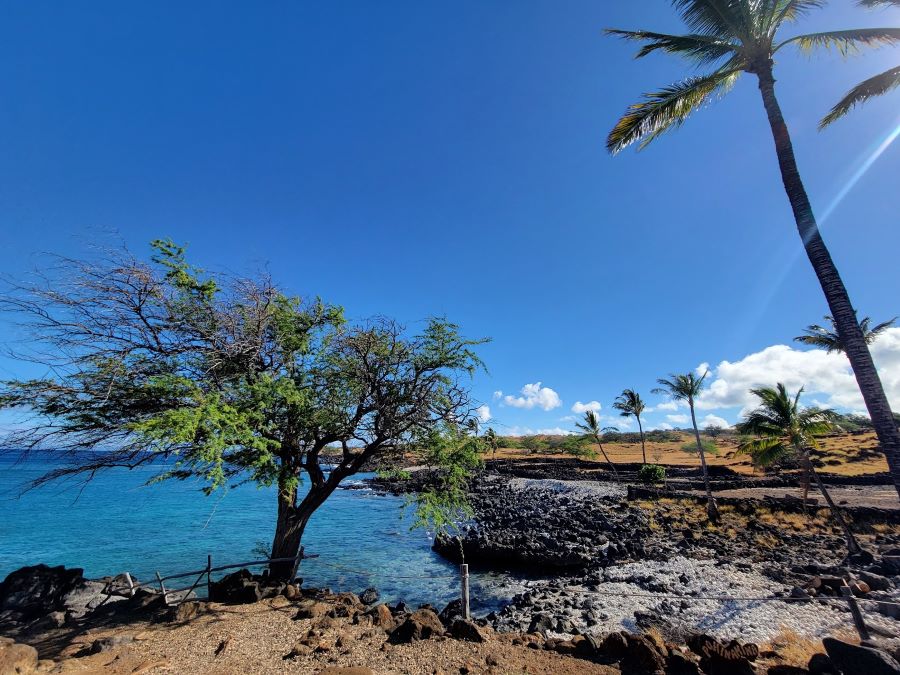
column 116, row 523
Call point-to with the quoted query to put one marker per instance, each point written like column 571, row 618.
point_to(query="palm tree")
column 875, row 86
column 492, row 441
column 738, row 36
column 780, row 427
column 629, row 404
column 591, row 428
column 827, row 337
column 687, row 388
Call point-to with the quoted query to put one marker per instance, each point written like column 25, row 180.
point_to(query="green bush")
column 652, row 473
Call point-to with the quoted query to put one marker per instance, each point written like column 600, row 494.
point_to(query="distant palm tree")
column 687, row 388
column 875, row 86
column 591, row 427
column 827, row 337
column 492, row 441
column 629, row 404
column 780, row 427
column 741, row 36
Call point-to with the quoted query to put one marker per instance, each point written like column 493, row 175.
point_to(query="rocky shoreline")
column 630, row 585
column 602, row 563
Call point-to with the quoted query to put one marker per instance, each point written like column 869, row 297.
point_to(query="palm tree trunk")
column 712, row 510
column 836, row 514
column 641, row 429
column 835, row 292
column 608, row 461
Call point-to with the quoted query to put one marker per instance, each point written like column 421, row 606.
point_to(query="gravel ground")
column 626, row 587
column 581, row 489
column 257, row 638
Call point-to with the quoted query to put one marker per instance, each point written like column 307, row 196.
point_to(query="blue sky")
column 420, row 158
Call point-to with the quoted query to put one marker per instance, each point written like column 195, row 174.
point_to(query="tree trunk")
column 836, row 514
column 641, row 429
column 292, row 521
column 712, row 509
column 608, row 461
column 845, row 320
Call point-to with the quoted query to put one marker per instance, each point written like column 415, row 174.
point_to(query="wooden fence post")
column 162, row 589
column 858, row 620
column 464, row 579
column 130, row 582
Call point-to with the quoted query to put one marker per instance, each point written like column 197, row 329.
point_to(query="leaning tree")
column 223, row 379
column 779, row 427
column 730, row 38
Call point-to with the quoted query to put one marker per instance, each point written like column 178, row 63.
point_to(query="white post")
column 464, row 578
column 130, row 583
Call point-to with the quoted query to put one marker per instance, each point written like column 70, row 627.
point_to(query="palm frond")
column 712, row 17
column 667, row 109
column 878, row 3
column 847, row 42
column 874, row 86
column 699, row 48
column 791, row 10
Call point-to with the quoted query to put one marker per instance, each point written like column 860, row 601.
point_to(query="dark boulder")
column 369, row 596
column 642, row 657
column 852, row 659
column 420, row 625
column 33, row 592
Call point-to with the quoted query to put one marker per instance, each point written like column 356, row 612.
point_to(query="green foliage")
column 652, row 473
column 827, row 338
column 454, row 455
column 729, row 38
column 779, row 427
column 709, row 447
column 577, row 446
column 226, row 379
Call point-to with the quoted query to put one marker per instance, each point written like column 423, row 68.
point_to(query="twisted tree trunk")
column 835, row 292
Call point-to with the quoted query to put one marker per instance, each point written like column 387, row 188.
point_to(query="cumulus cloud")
column 665, row 426
column 534, row 396
column 484, row 413
column 666, row 405
column 713, row 421
column 581, row 408
column 678, row 419
column 528, row 431
column 826, row 376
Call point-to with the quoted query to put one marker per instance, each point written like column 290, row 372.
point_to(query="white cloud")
column 484, row 413
column 581, row 408
column 678, row 419
column 713, row 421
column 665, row 426
column 667, row 405
column 527, row 431
column 702, row 369
column 534, row 396
column 826, row 376
column 497, row 394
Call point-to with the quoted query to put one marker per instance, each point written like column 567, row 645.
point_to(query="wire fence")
column 180, row 595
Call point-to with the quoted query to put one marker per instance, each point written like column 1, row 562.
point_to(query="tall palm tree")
column 591, row 428
column 827, row 337
column 780, row 427
column 875, row 86
column 629, row 404
column 492, row 441
column 687, row 388
column 737, row 36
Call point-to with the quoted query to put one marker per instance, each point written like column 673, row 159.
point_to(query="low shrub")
column 652, row 473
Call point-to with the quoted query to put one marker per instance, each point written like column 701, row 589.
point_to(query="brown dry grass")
column 796, row 650
column 846, row 455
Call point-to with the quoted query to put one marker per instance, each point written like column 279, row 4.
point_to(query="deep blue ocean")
column 117, row 523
